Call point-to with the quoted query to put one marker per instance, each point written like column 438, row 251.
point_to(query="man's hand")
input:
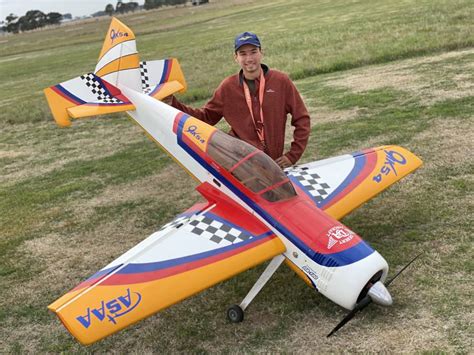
column 168, row 100
column 283, row 162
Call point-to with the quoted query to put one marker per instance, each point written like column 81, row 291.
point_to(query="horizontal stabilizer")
column 154, row 74
column 84, row 96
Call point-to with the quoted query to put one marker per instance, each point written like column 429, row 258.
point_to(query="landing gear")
column 236, row 312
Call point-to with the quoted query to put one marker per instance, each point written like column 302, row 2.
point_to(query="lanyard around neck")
column 261, row 89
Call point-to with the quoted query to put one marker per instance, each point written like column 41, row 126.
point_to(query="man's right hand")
column 283, row 162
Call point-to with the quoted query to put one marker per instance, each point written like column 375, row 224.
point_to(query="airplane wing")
column 206, row 244
column 341, row 184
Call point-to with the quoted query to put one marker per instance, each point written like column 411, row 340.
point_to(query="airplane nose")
column 380, row 295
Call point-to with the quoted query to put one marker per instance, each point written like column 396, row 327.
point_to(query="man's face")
column 249, row 58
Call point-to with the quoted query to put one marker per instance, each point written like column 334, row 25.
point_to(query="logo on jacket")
column 111, row 310
column 339, row 234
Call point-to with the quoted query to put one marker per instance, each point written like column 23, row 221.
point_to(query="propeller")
column 377, row 293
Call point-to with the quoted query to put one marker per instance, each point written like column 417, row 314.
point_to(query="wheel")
column 235, row 314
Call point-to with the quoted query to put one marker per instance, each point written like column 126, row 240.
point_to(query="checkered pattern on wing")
column 145, row 78
column 312, row 183
column 180, row 220
column 98, row 90
column 216, row 231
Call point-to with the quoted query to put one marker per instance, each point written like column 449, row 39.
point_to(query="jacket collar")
column 241, row 73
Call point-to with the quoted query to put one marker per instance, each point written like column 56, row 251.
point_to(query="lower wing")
column 341, row 184
column 207, row 244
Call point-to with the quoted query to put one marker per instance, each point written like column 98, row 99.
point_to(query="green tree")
column 12, row 24
column 54, row 18
column 31, row 20
column 109, row 9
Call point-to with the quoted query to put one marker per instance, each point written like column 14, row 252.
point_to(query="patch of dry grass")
column 405, row 76
column 47, row 148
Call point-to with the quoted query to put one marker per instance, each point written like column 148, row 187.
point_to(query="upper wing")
column 341, row 184
column 205, row 245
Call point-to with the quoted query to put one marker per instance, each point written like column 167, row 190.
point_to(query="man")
column 255, row 102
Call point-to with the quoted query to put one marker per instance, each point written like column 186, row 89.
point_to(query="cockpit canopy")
column 253, row 168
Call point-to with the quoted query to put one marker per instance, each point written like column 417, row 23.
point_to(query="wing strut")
column 235, row 313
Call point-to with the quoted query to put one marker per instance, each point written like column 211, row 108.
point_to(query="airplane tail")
column 119, row 65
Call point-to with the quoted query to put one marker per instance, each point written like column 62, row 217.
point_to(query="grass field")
column 371, row 73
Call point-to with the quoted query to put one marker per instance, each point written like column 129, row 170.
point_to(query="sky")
column 74, row 7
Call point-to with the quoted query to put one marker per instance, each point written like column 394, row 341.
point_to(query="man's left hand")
column 283, row 162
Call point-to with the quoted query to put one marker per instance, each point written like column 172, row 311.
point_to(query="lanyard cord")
column 248, row 99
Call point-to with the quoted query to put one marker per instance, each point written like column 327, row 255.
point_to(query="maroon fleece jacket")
column 280, row 98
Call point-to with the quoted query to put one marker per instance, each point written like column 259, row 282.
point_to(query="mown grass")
column 306, row 38
column 72, row 200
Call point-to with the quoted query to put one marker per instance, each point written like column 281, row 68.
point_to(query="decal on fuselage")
column 198, row 132
column 310, row 272
column 111, row 309
column 339, row 234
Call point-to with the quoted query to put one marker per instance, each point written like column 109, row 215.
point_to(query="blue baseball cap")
column 246, row 38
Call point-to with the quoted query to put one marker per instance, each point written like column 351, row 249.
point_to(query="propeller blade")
column 403, row 269
column 366, row 301
column 359, row 307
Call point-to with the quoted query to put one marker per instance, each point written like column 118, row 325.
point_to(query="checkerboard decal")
column 98, row 90
column 312, row 182
column 216, row 231
column 144, row 77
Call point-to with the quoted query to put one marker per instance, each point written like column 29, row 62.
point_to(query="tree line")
column 36, row 19
column 31, row 20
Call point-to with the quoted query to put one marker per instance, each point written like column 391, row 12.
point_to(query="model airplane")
column 253, row 212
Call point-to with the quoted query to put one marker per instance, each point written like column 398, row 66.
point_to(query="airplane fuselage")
column 329, row 256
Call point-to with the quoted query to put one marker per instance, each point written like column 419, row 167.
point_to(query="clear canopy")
column 253, row 168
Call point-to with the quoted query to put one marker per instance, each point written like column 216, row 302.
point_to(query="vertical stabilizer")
column 118, row 60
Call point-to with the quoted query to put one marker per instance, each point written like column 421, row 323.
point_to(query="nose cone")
column 380, row 295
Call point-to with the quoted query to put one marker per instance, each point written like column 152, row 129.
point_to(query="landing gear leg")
column 235, row 313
